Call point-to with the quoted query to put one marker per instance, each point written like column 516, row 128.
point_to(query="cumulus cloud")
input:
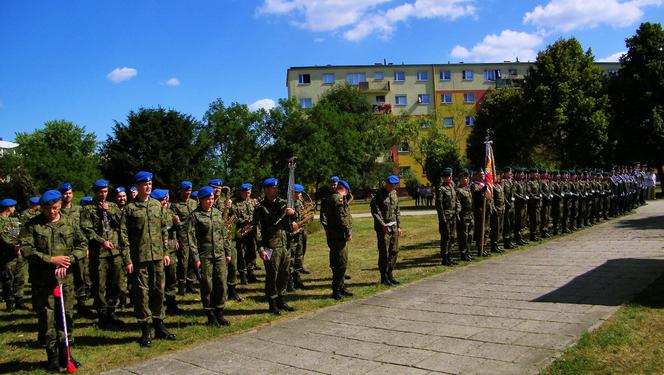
column 613, row 58
column 172, row 82
column 567, row 15
column 508, row 45
column 265, row 104
column 357, row 19
column 118, row 75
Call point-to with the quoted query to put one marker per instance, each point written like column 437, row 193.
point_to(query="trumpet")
column 307, row 213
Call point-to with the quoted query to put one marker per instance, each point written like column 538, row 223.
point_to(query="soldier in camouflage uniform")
column 387, row 225
column 100, row 223
column 145, row 232
column 606, row 195
column 497, row 215
column 507, row 185
column 338, row 231
column 465, row 222
column 582, row 201
column 245, row 240
column 170, row 271
column 482, row 206
column 211, row 249
column 534, row 203
column 447, row 207
column 520, row 202
column 52, row 243
column 271, row 220
column 11, row 262
column 547, row 201
column 224, row 204
column 295, row 241
column 556, row 189
column 182, row 209
column 31, row 211
column 574, row 201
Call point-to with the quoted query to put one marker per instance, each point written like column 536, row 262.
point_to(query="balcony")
column 374, row 87
column 382, row 108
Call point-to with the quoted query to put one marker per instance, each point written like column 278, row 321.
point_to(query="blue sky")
column 91, row 62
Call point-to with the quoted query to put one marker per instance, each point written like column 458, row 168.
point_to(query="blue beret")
column 101, row 183
column 298, row 188
column 392, row 179
column 344, row 184
column 34, row 200
column 194, row 194
column 215, row 182
column 50, row 197
column 7, row 202
column 205, row 191
column 133, row 188
column 85, row 201
column 246, row 186
column 142, row 176
column 447, row 172
column 270, row 182
column 120, row 190
column 186, row 185
column 159, row 194
column 65, row 187
column 334, row 179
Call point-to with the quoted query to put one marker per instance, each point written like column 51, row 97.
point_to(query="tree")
column 172, row 145
column 16, row 181
column 60, row 152
column 566, row 97
column 439, row 151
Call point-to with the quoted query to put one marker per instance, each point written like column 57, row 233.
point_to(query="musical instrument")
column 306, row 213
column 229, row 220
column 291, row 187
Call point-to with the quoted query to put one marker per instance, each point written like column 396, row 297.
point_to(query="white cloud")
column 613, row 58
column 567, row 15
column 357, row 19
column 509, row 45
column 265, row 104
column 172, row 82
column 118, row 75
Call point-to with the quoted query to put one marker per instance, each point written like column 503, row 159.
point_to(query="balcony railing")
column 374, row 87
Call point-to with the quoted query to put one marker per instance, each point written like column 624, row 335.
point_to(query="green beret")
column 464, row 172
column 447, row 172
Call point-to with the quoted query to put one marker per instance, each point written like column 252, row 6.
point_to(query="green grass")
column 406, row 204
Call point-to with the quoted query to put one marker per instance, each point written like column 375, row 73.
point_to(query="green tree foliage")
column 16, row 181
column 439, row 152
column 60, row 152
column 568, row 105
column 172, row 145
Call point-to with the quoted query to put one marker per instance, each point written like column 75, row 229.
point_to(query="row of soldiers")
column 542, row 202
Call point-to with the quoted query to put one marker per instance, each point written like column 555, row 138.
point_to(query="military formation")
column 522, row 205
column 142, row 247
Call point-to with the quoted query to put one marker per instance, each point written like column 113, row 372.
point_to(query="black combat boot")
column 243, row 278
column 146, row 336
column 465, row 256
column 212, row 319
column 496, row 249
column 219, row 314
column 274, row 309
column 391, row 277
column 304, row 271
column 297, row 281
column 446, row 260
column 172, row 306
column 232, row 293
column 102, row 318
column 19, row 304
column 160, row 331
column 507, row 244
column 189, row 288
column 251, row 277
column 282, row 305
column 383, row 278
column 53, row 355
column 113, row 319
column 82, row 310
column 290, row 286
column 11, row 307
column 181, row 288
column 344, row 291
column 335, row 292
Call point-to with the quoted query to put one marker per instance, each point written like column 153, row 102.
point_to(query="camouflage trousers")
column 213, row 282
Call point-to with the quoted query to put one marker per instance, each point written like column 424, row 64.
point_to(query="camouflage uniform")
column 338, row 228
column 185, row 267
column 447, row 207
column 385, row 210
column 11, row 264
column 465, row 221
column 246, row 245
column 81, row 270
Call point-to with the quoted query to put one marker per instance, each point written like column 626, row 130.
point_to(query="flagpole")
column 487, row 158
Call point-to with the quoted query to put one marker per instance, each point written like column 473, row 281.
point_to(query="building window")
column 470, row 121
column 380, row 99
column 445, row 75
column 467, row 75
column 403, row 147
column 378, row 76
column 356, row 78
column 512, row 72
column 446, row 98
column 424, row 124
column 492, row 75
column 328, row 78
column 303, row 79
column 306, row 102
column 399, row 76
column 400, row 100
column 469, row 97
column 423, row 98
column 448, row 122
column 423, row 76
column 403, row 171
column 612, row 72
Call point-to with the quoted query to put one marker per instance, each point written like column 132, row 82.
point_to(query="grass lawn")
column 406, row 204
column 630, row 342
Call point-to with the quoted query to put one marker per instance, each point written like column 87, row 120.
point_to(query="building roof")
column 391, row 65
column 7, row 144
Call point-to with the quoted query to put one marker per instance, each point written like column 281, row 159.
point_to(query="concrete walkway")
column 508, row 315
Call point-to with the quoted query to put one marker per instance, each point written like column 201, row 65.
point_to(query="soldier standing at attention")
column 100, row 223
column 556, row 190
column 574, row 201
column 52, row 243
column 170, row 271
column 447, row 207
column 387, row 225
column 245, row 239
column 11, row 261
column 465, row 219
column 497, row 215
column 31, row 211
column 547, row 198
column 534, row 203
column 295, row 240
column 520, row 203
column 211, row 249
column 478, row 190
column 145, row 232
column 508, row 218
column 182, row 209
column 271, row 220
column 121, row 200
column 338, row 230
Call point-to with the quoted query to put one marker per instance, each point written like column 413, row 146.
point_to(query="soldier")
column 338, row 231
column 606, row 195
column 121, row 201
column 547, row 201
column 447, row 207
column 52, row 243
column 556, row 190
column 295, row 240
column 507, row 185
column 224, row 204
column 11, row 261
column 211, row 248
column 534, row 203
column 387, row 225
column 520, row 202
column 100, row 222
column 133, row 192
column 465, row 218
column 121, row 197
column 581, row 200
column 170, row 271
column 31, row 211
column 245, row 239
column 574, row 201
column 482, row 206
column 565, row 192
column 497, row 215
column 182, row 209
column 145, row 232
column 271, row 220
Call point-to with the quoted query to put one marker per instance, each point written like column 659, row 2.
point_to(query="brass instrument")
column 229, row 220
column 249, row 226
column 307, row 213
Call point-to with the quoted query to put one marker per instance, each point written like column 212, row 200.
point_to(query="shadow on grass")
column 18, row 366
column 645, row 223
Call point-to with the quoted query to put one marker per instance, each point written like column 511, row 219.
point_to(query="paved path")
column 507, row 315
